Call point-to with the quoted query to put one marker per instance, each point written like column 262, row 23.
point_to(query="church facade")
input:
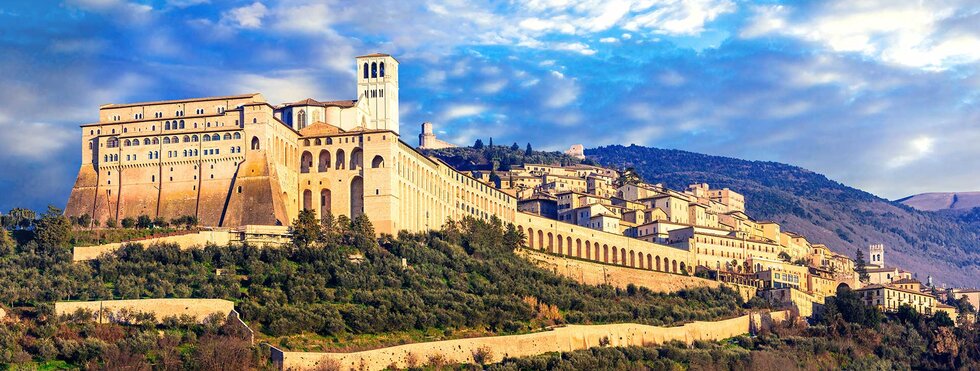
column 238, row 160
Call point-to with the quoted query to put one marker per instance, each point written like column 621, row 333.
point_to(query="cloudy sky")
column 881, row 95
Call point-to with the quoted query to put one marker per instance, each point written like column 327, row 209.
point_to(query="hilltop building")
column 428, row 140
column 240, row 162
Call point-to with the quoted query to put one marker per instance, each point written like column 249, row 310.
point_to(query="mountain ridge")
column 936, row 201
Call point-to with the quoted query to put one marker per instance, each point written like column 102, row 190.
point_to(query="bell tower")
column 877, row 255
column 377, row 91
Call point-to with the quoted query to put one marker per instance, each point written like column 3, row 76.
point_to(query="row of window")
column 113, row 142
column 178, row 113
column 375, row 72
column 155, row 155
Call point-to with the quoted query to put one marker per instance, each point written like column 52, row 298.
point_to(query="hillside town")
column 785, row 267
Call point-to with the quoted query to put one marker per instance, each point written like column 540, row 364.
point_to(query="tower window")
column 382, row 70
column 365, row 70
column 374, row 69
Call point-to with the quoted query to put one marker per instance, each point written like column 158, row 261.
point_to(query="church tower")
column 877, row 255
column 377, row 91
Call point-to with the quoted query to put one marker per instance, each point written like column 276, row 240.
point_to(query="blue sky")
column 881, row 95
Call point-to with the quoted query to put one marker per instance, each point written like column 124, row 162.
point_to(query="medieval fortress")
column 240, row 162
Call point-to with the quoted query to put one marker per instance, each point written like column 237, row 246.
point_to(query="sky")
column 879, row 95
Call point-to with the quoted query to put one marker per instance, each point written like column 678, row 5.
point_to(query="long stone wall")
column 161, row 308
column 202, row 238
column 585, row 243
column 591, row 273
column 564, row 339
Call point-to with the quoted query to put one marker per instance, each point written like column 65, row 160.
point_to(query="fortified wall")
column 563, row 339
column 111, row 310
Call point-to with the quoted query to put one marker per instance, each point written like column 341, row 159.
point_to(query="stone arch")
column 673, row 264
column 683, row 268
column 632, row 259
column 530, row 238
column 306, row 162
column 578, row 249
column 307, row 200
column 561, row 244
column 657, row 260
column 324, row 163
column 378, row 162
column 356, row 159
column 356, row 197
column 255, row 143
column 341, row 160
column 578, row 242
column 540, row 240
column 551, row 243
column 622, row 256
column 649, row 261
column 324, row 202
column 605, row 253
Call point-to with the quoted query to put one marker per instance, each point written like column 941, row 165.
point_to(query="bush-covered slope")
column 931, row 244
column 346, row 291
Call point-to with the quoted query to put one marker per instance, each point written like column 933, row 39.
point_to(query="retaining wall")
column 563, row 339
column 185, row 241
column 161, row 308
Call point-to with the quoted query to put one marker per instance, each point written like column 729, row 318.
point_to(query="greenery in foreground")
column 339, row 288
column 849, row 336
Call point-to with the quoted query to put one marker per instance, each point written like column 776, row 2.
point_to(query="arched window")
column 166, row 126
column 206, row 138
column 187, row 138
column 365, row 70
column 181, row 124
column 166, row 140
column 194, row 138
column 156, row 140
column 356, row 159
column 255, row 143
column 238, row 135
column 306, row 162
column 215, row 137
column 324, row 161
column 174, row 140
column 374, row 69
column 379, row 161
column 318, row 142
column 146, row 141
column 341, row 159
column 112, row 143
column 301, row 119
column 126, row 143
column 227, row 136
column 381, row 70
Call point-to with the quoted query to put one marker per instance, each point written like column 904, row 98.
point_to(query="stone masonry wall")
column 564, row 339
column 162, row 308
column 591, row 273
column 202, row 238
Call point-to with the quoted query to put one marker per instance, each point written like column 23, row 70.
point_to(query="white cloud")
column 462, row 110
column 913, row 34
column 608, row 40
column 277, row 86
column 915, row 149
column 249, row 16
column 574, row 47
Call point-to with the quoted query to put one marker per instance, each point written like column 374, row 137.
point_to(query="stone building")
column 428, row 140
column 238, row 160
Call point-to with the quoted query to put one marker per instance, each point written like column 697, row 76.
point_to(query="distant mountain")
column 943, row 201
column 945, row 246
